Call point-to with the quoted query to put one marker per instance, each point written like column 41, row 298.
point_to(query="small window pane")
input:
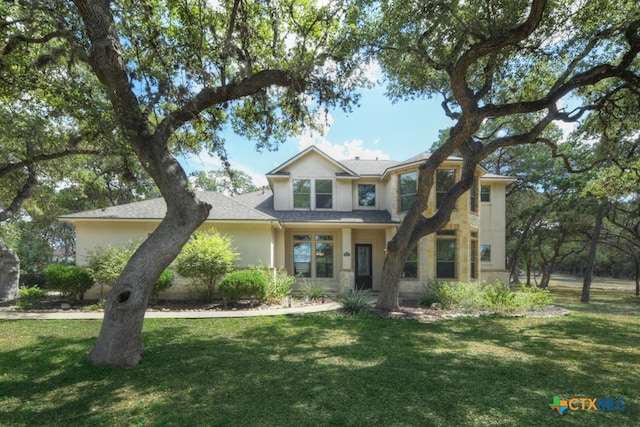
column 485, row 253
column 410, row 269
column 302, row 259
column 323, row 186
column 485, row 193
column 445, row 179
column 324, row 194
column 324, row 259
column 366, row 195
column 323, row 201
column 302, row 193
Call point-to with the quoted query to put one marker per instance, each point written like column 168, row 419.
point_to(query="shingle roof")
column 263, row 202
column 256, row 206
column 222, row 208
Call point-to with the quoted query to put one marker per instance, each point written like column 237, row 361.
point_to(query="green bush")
column 440, row 292
column 530, row 298
column 279, row 283
column 165, row 281
column 496, row 297
column 205, row 259
column 244, row 284
column 71, row 280
column 106, row 264
column 28, row 297
column 355, row 302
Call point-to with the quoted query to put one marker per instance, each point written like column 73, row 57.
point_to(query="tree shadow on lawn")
column 321, row 370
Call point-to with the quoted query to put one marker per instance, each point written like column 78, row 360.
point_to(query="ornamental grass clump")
column 355, row 302
column 313, row 291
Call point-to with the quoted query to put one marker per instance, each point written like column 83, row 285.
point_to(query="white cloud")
column 345, row 150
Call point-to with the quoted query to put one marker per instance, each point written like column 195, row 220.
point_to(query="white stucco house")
column 328, row 221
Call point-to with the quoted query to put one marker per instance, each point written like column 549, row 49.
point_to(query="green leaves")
column 205, row 259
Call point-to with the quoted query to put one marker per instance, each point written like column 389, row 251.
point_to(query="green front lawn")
column 332, row 370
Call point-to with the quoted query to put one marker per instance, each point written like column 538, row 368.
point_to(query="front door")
column 363, row 266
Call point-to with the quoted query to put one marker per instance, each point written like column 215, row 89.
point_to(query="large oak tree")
column 175, row 74
column 505, row 71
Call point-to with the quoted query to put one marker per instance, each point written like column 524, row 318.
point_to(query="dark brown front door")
column 363, row 267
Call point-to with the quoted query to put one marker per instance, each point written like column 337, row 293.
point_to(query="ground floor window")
column 410, row 270
column 474, row 258
column 446, row 254
column 313, row 255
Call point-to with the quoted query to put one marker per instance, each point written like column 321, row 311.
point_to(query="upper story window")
column 485, row 253
column 321, row 193
column 302, row 193
column 324, row 194
column 473, row 193
column 445, row 179
column 485, row 193
column 408, row 189
column 366, row 195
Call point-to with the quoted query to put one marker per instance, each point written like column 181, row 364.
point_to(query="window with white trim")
column 312, row 193
column 366, row 195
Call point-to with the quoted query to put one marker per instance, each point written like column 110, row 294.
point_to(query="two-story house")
column 328, row 221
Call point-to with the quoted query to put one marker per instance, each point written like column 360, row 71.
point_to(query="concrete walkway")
column 204, row 314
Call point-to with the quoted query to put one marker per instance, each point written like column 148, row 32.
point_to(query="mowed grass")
column 333, row 370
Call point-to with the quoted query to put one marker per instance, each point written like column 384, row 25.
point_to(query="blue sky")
column 378, row 128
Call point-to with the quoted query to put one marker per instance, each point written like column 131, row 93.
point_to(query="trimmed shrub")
column 244, row 284
column 356, row 302
column 28, row 297
column 71, row 280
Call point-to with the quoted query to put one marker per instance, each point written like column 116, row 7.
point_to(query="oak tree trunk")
column 545, row 276
column 9, row 272
column 120, row 340
column 591, row 259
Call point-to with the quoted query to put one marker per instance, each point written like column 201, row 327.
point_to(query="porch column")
column 346, row 273
column 346, row 249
